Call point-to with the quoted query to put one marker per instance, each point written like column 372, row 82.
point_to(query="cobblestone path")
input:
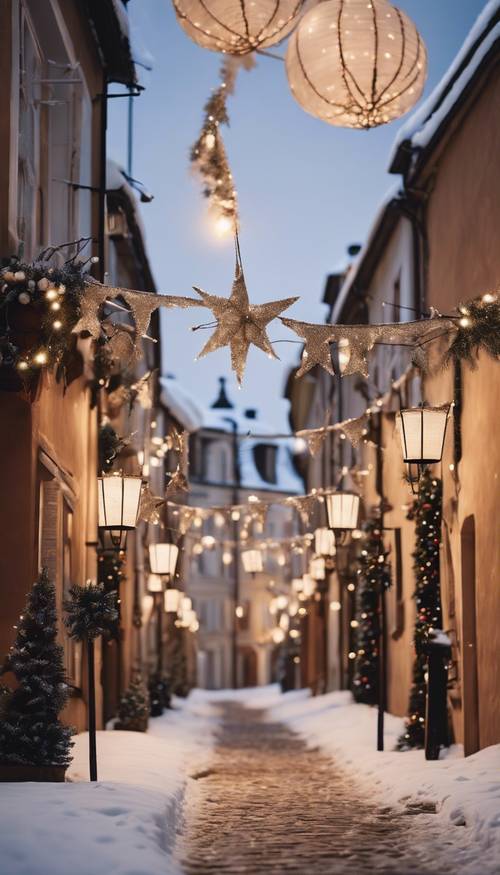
column 269, row 804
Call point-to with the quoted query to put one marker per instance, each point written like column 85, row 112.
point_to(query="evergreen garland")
column 91, row 611
column 133, row 711
column 426, row 512
column 30, row 731
column 374, row 573
column 478, row 327
column 110, row 574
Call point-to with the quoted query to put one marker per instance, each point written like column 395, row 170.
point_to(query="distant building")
column 227, row 465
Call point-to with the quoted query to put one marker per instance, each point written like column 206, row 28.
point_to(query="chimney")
column 222, row 402
column 251, row 413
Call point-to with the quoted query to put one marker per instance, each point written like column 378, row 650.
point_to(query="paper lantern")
column 237, row 27
column 172, row 601
column 163, row 558
column 324, row 542
column 342, row 510
column 118, row 505
column 356, row 63
column 252, row 561
column 422, row 431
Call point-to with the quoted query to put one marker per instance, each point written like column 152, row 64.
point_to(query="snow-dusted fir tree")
column 374, row 574
column 30, row 730
column 426, row 512
column 133, row 711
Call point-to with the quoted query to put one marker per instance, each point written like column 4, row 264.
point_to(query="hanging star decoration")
column 305, row 506
column 178, row 481
column 354, row 429
column 90, row 302
column 239, row 323
column 150, row 506
column 316, row 347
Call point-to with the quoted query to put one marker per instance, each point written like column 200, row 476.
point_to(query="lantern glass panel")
column 309, row 585
column 342, row 510
column 118, row 501
column 163, row 558
column 317, row 568
column 422, row 431
column 324, row 542
column 172, row 600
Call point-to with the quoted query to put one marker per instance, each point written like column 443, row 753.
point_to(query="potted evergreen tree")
column 133, row 711
column 34, row 744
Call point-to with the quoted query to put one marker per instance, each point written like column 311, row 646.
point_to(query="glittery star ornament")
column 92, row 299
column 239, row 323
column 150, row 506
column 354, row 429
column 317, row 339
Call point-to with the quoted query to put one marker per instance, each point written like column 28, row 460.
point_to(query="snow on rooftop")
column 193, row 416
column 424, row 122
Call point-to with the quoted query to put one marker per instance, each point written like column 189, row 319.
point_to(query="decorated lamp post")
column 118, row 506
column 342, row 509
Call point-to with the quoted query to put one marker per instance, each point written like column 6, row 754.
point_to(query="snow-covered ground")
column 125, row 823
column 464, row 791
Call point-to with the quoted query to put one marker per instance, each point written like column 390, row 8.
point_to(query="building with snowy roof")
column 233, row 456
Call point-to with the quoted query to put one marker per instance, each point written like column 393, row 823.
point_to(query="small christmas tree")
column 30, row 731
column 133, row 711
column 426, row 512
column 374, row 574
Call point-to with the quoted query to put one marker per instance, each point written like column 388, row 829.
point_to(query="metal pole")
column 102, row 179
column 382, row 668
column 91, row 707
column 159, row 631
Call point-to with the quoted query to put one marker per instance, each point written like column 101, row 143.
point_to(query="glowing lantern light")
column 252, row 561
column 342, row 509
column 356, row 63
column 422, row 431
column 278, row 635
column 237, row 27
column 317, row 568
column 324, row 542
column 172, row 600
column 155, row 583
column 308, row 585
column 163, row 559
column 118, row 505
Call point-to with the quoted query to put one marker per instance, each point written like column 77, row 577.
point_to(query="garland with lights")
column 374, row 574
column 478, row 327
column 39, row 306
column 426, row 511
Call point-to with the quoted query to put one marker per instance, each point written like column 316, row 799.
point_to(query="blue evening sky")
column 306, row 189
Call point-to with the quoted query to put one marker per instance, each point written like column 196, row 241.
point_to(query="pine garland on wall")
column 373, row 573
column 426, row 512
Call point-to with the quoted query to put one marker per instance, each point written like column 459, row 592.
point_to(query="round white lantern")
column 237, row 27
column 356, row 63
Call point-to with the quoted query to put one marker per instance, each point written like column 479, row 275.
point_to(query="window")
column 210, row 615
column 265, row 458
column 29, row 221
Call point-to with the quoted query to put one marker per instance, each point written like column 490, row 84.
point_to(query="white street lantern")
column 317, row 568
column 155, row 583
column 163, row 559
column 422, row 431
column 297, row 585
column 188, row 618
column 342, row 510
column 185, row 605
column 252, row 561
column 356, row 63
column 284, row 622
column 237, row 27
column 118, row 505
column 172, row 600
column 324, row 542
column 308, row 585
column 278, row 635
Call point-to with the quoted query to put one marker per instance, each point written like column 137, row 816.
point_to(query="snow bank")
column 465, row 792
column 124, row 824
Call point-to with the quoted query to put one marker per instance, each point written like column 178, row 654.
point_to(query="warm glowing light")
column 335, row 606
column 51, row 294
column 40, row 358
column 223, row 226
column 278, row 636
column 352, row 655
column 57, row 324
column 227, row 557
column 239, row 611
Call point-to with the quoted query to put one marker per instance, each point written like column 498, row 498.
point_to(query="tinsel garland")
column 374, row 575
column 208, row 154
column 426, row 511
